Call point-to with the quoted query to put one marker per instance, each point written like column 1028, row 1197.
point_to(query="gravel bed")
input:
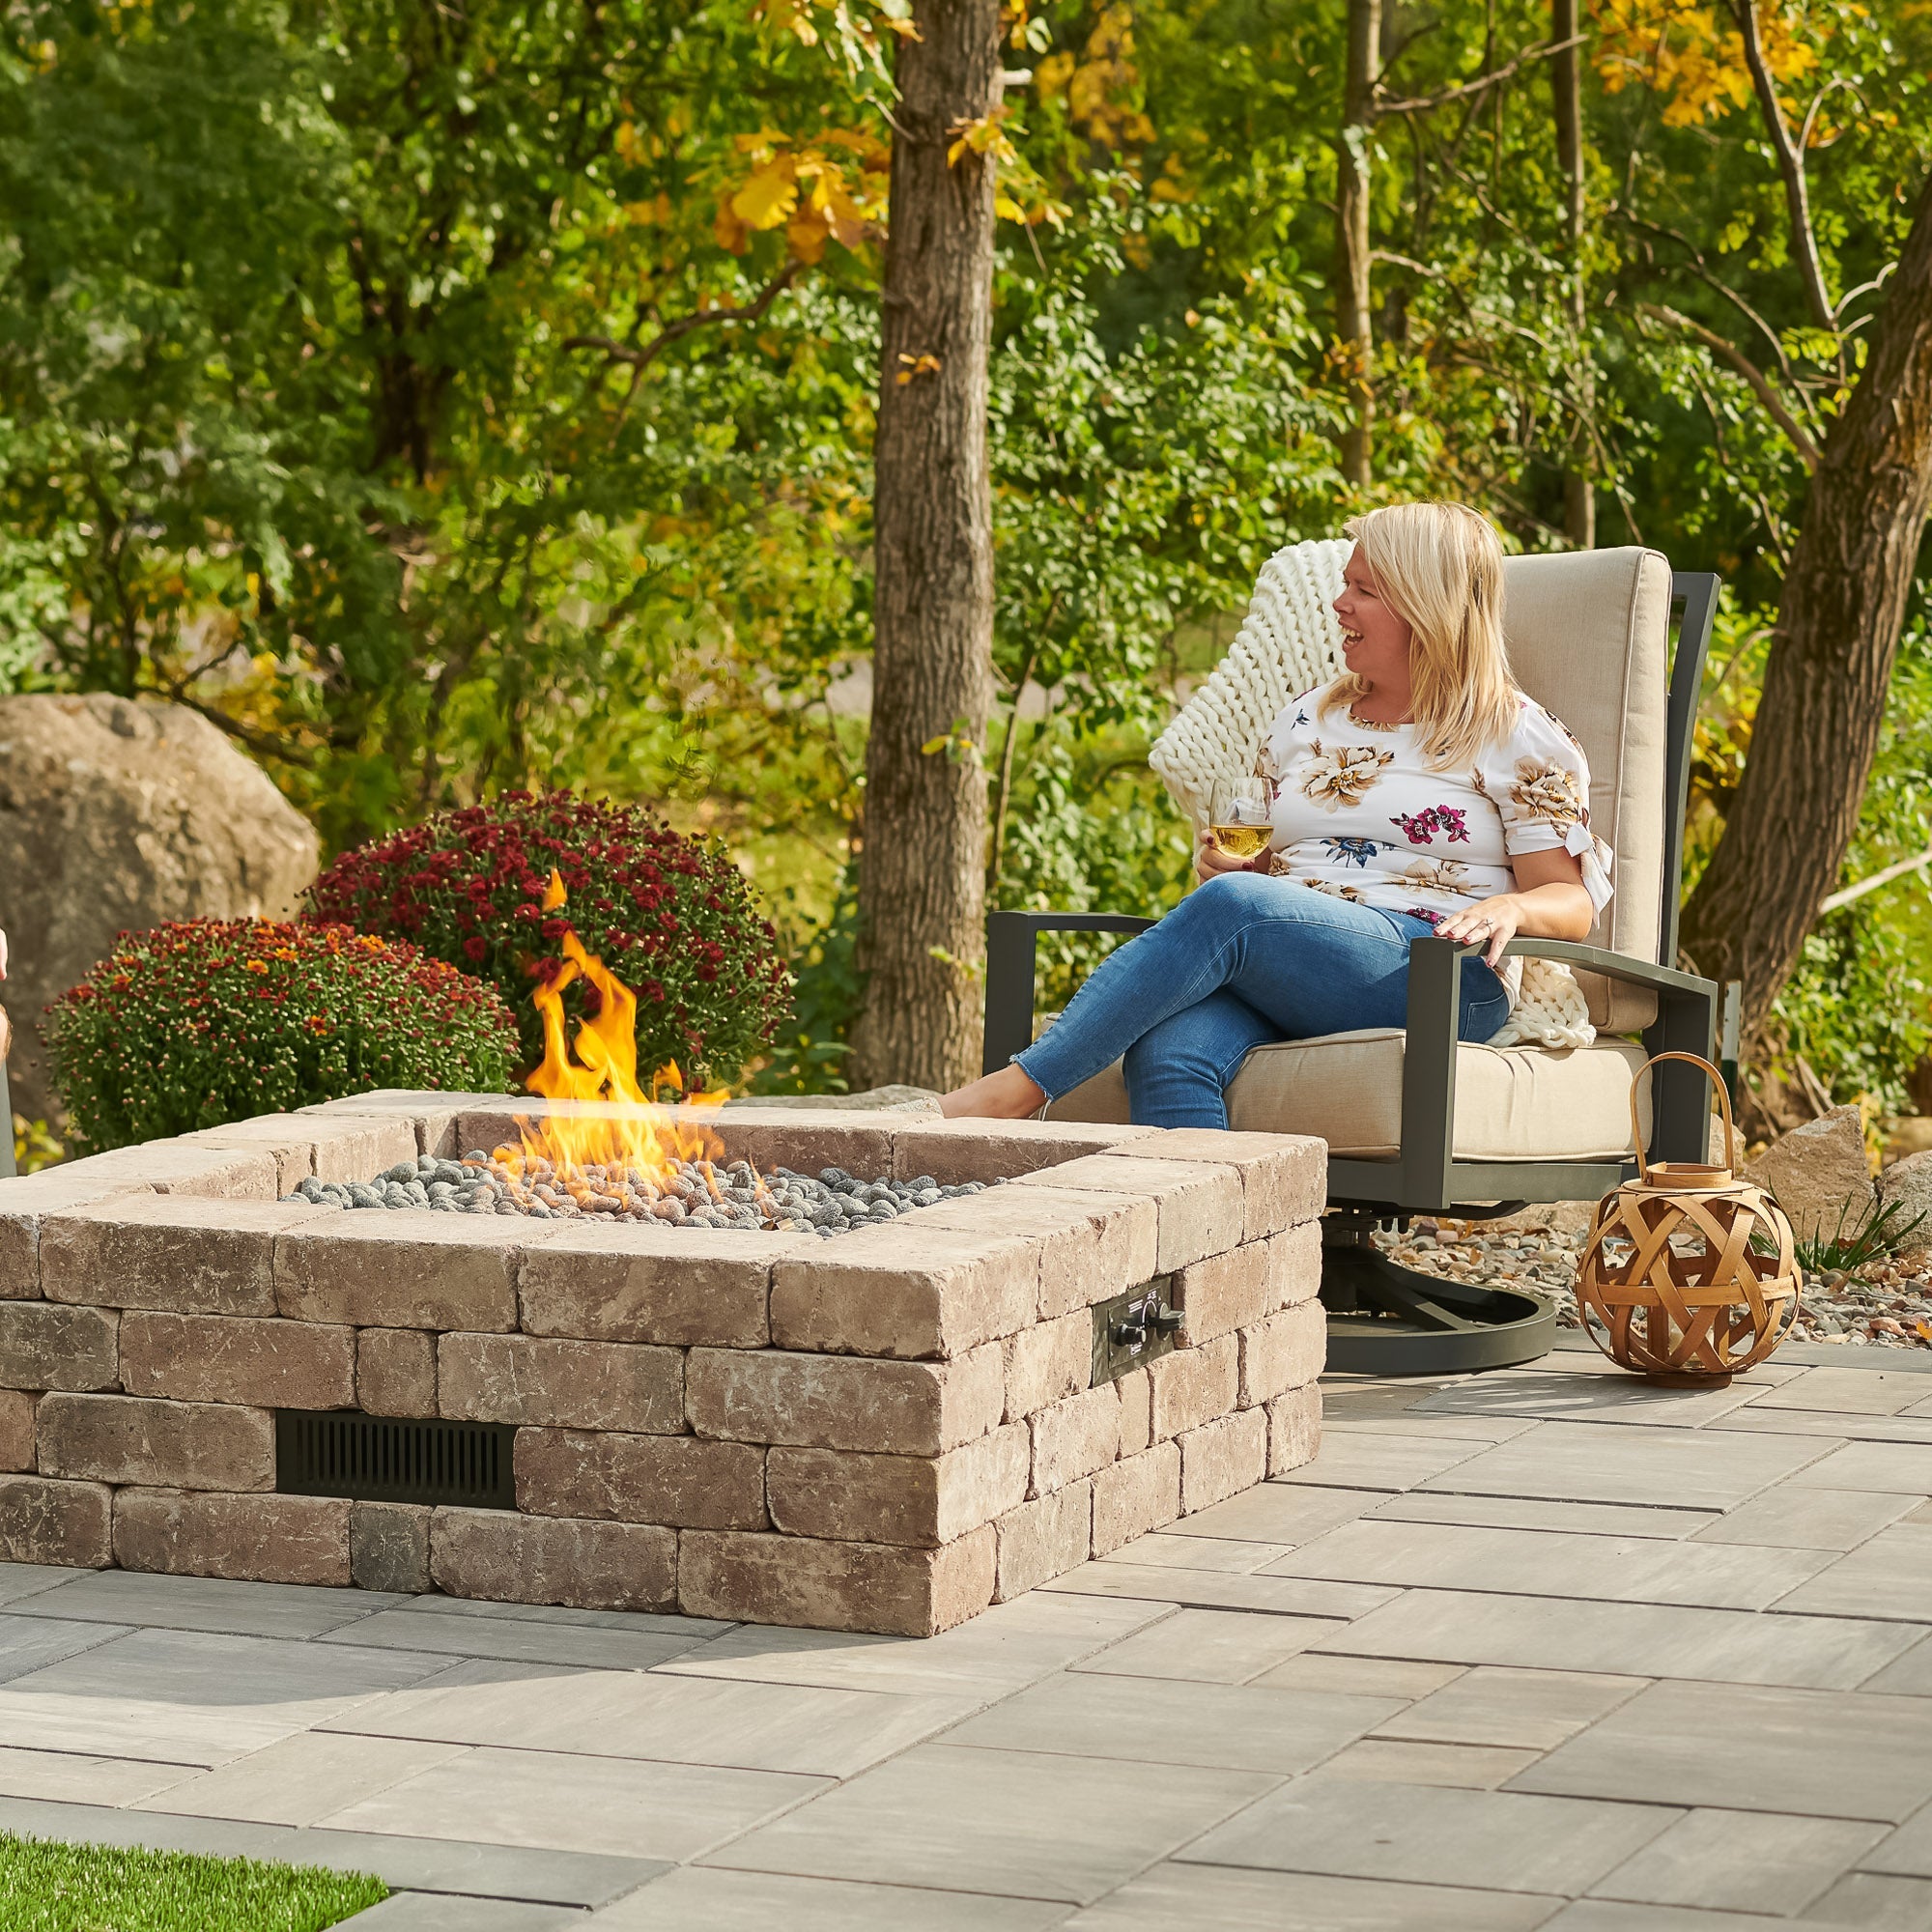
column 694, row 1195
column 1886, row 1305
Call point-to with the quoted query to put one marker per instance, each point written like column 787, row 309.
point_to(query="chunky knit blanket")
column 1290, row 642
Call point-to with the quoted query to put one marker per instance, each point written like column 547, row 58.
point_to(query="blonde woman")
column 1421, row 793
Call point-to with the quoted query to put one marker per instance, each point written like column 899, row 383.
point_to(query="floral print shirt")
column 1359, row 813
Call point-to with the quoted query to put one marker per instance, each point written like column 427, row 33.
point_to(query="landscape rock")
column 116, row 816
column 1909, row 1183
column 1818, row 1174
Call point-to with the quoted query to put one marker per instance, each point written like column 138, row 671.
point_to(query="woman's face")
column 1375, row 641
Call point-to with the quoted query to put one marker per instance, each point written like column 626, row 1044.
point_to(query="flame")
column 627, row 1129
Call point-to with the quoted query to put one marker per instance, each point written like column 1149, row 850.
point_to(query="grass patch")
column 54, row 1887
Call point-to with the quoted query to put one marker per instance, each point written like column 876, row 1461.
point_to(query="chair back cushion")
column 1589, row 637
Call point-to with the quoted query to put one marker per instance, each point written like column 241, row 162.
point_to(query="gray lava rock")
column 694, row 1196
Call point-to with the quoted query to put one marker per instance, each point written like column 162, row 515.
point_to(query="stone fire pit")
column 886, row 1431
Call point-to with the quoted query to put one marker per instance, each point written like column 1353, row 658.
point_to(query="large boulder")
column 1819, row 1175
column 117, row 814
column 1909, row 1183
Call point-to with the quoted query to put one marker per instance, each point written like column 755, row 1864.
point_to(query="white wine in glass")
column 1239, row 823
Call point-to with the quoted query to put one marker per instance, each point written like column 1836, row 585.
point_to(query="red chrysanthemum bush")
column 213, row 1020
column 671, row 917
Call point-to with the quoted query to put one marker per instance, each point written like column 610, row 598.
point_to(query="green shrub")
column 671, row 917
column 192, row 1025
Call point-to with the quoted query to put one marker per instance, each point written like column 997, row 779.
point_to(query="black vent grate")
column 382, row 1459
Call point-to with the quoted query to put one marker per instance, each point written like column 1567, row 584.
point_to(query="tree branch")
column 262, row 744
column 1884, row 877
column 1760, row 384
column 642, row 357
column 1791, row 165
column 1429, row 102
column 1719, row 287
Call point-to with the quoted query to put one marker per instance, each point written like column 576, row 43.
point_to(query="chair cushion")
column 1512, row 1102
column 1589, row 637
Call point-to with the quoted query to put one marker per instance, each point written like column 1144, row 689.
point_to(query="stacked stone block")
column 884, row 1432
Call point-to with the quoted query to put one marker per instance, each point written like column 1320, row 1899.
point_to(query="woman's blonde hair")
column 1439, row 568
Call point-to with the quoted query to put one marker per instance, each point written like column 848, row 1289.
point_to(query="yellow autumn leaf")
column 842, row 214
column 1053, row 73
column 806, row 237
column 769, row 197
column 730, row 232
column 870, row 150
column 1692, row 56
column 787, row 16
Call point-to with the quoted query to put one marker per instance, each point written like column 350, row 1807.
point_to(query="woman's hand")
column 1493, row 925
column 1210, row 860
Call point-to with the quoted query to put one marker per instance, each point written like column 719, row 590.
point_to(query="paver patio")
column 1540, row 1648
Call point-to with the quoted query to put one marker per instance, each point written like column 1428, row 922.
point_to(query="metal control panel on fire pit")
column 1131, row 1330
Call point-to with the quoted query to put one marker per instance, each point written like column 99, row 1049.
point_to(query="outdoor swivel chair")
column 1417, row 1123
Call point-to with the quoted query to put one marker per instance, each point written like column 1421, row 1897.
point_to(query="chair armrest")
column 1686, row 1018
column 1011, row 938
column 1623, row 966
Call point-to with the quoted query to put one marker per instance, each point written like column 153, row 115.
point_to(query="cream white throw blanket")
column 1290, row 641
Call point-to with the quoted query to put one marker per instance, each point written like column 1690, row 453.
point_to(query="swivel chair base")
column 1386, row 1320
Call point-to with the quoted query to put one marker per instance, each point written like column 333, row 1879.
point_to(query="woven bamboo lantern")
column 1669, row 1284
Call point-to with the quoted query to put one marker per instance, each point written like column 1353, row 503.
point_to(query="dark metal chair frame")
column 1424, row 1324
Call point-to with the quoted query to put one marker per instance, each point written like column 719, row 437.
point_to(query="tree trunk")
column 1831, row 659
column 1353, row 327
column 921, row 877
column 1566, row 80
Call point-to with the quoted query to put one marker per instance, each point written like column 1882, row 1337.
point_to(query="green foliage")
column 53, row 1888
column 1858, row 1008
column 35, row 1146
column 1877, row 1234
column 364, row 382
column 670, row 916
column 213, row 1020
column 808, row 1052
column 302, row 415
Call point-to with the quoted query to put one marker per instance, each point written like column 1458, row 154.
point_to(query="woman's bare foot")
column 1005, row 1095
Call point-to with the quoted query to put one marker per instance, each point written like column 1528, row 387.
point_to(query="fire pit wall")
column 884, row 1430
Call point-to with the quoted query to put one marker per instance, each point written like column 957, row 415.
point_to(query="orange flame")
column 620, row 1125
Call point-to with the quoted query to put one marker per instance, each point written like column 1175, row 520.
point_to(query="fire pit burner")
column 689, row 1194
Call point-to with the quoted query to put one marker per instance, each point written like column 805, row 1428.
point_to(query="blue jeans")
column 1242, row 961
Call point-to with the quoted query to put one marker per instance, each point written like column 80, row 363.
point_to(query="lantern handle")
column 1724, row 1100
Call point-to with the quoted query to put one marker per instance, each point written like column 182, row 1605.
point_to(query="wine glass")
column 1238, row 819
